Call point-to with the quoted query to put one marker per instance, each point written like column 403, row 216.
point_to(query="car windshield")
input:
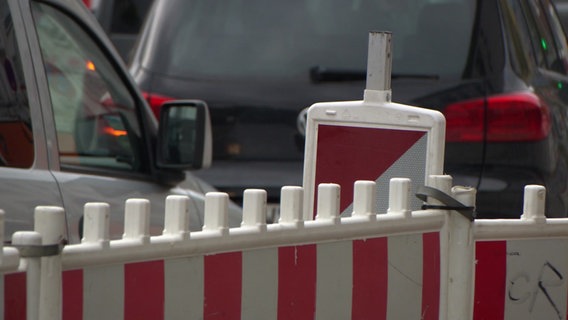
column 268, row 38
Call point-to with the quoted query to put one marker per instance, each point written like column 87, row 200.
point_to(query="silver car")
column 74, row 128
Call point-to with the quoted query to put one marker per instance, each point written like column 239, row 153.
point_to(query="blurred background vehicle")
column 121, row 20
column 496, row 69
column 74, row 128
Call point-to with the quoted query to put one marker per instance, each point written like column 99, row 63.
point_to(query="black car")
column 497, row 69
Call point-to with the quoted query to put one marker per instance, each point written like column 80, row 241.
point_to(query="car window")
column 288, row 38
column 557, row 32
column 94, row 113
column 542, row 40
column 16, row 140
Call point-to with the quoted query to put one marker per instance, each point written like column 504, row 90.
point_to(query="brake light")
column 509, row 118
column 156, row 102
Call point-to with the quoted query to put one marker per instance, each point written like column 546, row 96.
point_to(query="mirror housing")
column 184, row 135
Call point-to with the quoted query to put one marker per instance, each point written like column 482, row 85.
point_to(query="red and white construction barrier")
column 402, row 264
column 522, row 265
column 368, row 266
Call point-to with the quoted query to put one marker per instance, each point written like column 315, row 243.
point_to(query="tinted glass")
column 128, row 15
column 557, row 32
column 265, row 38
column 16, row 139
column 540, row 37
column 94, row 113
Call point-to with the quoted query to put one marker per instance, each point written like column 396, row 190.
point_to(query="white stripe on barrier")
column 103, row 292
column 184, row 288
column 334, row 280
column 405, row 277
column 260, row 280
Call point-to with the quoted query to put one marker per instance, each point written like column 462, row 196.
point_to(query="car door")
column 25, row 179
column 101, row 151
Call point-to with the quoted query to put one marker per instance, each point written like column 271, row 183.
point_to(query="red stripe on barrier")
column 223, row 286
column 72, row 287
column 490, row 275
column 144, row 290
column 15, row 296
column 297, row 282
column 370, row 279
column 431, row 276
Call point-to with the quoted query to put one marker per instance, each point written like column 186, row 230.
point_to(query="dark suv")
column 495, row 68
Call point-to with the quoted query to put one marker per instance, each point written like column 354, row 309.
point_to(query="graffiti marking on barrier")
column 521, row 291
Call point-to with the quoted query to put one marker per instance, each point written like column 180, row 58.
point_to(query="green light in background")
column 560, row 85
column 543, row 43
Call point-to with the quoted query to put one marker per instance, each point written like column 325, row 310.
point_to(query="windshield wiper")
column 322, row 74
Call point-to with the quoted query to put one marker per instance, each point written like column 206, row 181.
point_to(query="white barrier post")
column 399, row 196
column 137, row 220
column 50, row 223
column 365, row 199
column 216, row 212
column 533, row 206
column 96, row 224
column 291, row 204
column 328, row 203
column 32, row 265
column 176, row 221
column 254, row 209
column 461, row 251
column 462, row 254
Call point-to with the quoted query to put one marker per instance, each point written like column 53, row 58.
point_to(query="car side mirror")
column 184, row 136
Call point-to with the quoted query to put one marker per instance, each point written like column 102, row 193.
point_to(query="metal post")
column 379, row 61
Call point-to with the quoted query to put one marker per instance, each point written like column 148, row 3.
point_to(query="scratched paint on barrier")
column 536, row 279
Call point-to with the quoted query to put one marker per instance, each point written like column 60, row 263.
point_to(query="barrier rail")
column 402, row 264
column 327, row 268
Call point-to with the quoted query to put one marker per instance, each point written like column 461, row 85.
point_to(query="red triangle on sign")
column 347, row 154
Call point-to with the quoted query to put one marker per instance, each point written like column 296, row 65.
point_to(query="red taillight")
column 87, row 3
column 156, row 102
column 509, row 118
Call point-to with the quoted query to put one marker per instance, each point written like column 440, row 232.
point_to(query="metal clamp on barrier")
column 423, row 192
column 36, row 251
